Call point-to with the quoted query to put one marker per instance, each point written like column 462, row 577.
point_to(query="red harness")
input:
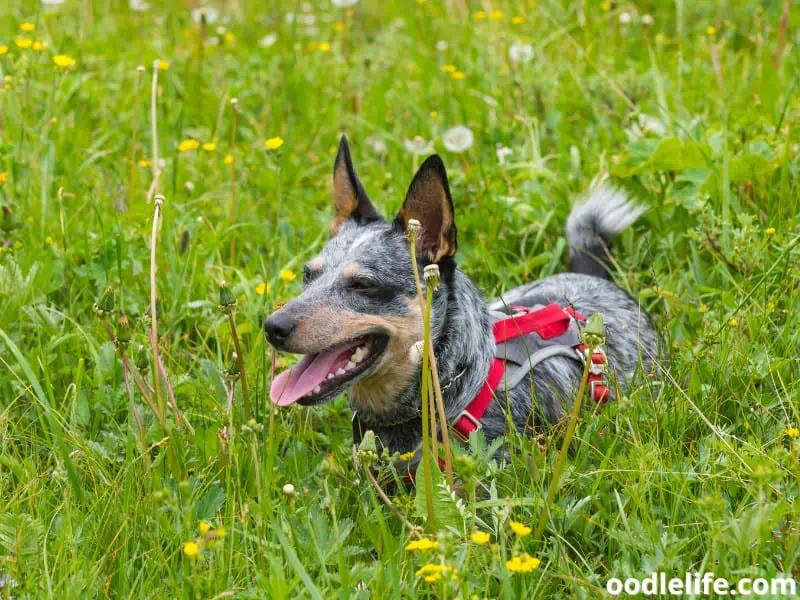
column 548, row 322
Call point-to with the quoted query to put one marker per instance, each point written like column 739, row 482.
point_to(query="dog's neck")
column 464, row 347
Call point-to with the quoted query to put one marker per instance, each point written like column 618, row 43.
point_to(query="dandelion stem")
column 562, row 455
column 240, row 363
column 426, row 450
column 234, row 208
column 154, row 129
column 134, row 127
column 159, row 199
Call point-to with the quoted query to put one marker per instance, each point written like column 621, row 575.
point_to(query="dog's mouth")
column 322, row 376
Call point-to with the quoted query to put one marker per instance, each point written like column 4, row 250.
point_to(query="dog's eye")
column 309, row 274
column 363, row 286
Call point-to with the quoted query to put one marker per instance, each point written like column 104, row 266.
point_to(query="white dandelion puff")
column 625, row 18
column 418, row 146
column 268, row 40
column 503, row 152
column 647, row 20
column 210, row 13
column 520, row 53
column 442, row 46
column 138, row 5
column 458, row 139
column 344, row 3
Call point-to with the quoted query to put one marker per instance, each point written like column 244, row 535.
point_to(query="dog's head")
column 359, row 313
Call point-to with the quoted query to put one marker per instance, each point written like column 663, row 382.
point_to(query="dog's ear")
column 428, row 201
column 349, row 198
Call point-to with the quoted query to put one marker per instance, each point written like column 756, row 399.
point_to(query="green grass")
column 696, row 476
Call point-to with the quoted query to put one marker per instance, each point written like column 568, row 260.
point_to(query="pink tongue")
column 311, row 371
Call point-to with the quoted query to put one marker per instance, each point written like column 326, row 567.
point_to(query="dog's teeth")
column 317, row 390
column 359, row 354
column 340, row 372
column 330, row 376
column 350, row 365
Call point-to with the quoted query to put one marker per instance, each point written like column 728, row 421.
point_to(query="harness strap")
column 548, row 322
column 469, row 421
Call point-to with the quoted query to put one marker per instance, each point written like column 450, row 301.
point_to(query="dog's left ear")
column 349, row 197
column 428, row 201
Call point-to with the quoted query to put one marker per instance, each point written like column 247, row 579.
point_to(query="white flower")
column 520, row 53
column 442, row 46
column 290, row 17
column 268, row 40
column 52, row 4
column 377, row 144
column 624, row 18
column 418, row 146
column 138, row 5
column 288, row 490
column 502, row 153
column 344, row 3
column 210, row 13
column 458, row 139
column 647, row 20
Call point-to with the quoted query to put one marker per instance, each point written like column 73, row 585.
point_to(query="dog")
column 359, row 318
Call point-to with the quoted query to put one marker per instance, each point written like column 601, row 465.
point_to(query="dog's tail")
column 592, row 224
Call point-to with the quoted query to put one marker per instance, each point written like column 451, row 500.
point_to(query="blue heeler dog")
column 358, row 318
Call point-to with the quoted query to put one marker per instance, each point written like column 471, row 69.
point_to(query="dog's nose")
column 279, row 328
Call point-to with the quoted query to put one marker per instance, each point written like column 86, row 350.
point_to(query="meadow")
column 152, row 151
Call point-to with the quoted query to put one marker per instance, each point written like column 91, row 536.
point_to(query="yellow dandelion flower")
column 163, row 65
column 480, row 15
column 191, row 549
column 770, row 306
column 422, row 544
column 496, row 15
column 3, row 177
column 262, row 288
column 449, row 68
column 144, row 163
column 204, row 527
column 791, row 432
column 62, row 61
column 273, row 143
column 479, row 537
column 605, row 5
column 524, row 563
column 407, row 456
column 519, row 528
column 770, row 231
column 188, row 145
column 324, row 46
column 733, row 323
column 711, row 30
column 287, row 275
column 23, row 43
column 27, row 27
column 458, row 75
column 39, row 46
column 228, row 160
column 702, row 309
column 434, row 114
column 230, row 38
column 220, row 532
column 432, row 573
column 49, row 241
column 338, row 27
column 3, row 49
column 209, row 146
column 517, row 20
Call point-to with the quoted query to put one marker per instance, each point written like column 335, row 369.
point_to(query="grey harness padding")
column 522, row 354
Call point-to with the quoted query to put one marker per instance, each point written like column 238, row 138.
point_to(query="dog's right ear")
column 349, row 198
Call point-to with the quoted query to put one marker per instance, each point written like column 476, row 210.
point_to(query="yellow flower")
column 407, row 456
column 791, row 432
column 433, row 573
column 220, row 532
column 230, row 38
column 63, row 61
column 480, row 15
column 338, row 27
column 188, row 145
column 434, row 114
column 228, row 160
column 770, row 306
column 27, row 27
column 524, row 563
column 3, row 49
column 733, row 323
column 423, row 544
column 39, row 46
column 519, row 528
column 770, row 231
column 262, row 288
column 210, row 146
column 605, row 5
column 703, row 309
column 517, row 20
column 191, row 549
column 163, row 65
column 274, row 143
column 23, row 43
column 458, row 75
column 661, row 39
column 449, row 68
column 711, row 30
column 144, row 163
column 496, row 15
column 324, row 46
column 49, row 241
column 3, row 177
column 204, row 527
column 479, row 537
column 287, row 275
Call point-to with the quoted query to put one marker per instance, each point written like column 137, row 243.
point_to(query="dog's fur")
column 362, row 282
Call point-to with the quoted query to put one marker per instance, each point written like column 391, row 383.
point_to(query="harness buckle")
column 469, row 417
